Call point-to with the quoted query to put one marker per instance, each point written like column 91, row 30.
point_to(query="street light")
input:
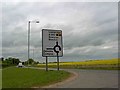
column 29, row 38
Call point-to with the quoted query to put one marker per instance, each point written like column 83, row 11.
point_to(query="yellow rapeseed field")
column 88, row 62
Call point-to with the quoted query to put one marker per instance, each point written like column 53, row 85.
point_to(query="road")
column 90, row 79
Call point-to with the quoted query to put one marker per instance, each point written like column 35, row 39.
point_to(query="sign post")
column 57, row 48
column 52, row 44
column 57, row 62
column 46, row 63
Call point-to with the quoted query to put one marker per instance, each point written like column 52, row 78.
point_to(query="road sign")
column 52, row 43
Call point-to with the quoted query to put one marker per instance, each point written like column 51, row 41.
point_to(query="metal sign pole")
column 57, row 62
column 46, row 63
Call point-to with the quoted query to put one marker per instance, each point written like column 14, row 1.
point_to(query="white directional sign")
column 52, row 43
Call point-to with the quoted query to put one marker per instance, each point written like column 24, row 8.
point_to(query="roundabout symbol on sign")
column 57, row 46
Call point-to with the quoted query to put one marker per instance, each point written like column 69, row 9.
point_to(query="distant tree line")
column 30, row 61
column 11, row 61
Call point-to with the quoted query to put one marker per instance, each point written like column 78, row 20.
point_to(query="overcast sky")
column 90, row 29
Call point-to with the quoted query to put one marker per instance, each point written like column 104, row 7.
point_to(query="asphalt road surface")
column 92, row 79
column 89, row 79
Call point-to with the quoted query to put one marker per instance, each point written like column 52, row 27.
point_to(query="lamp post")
column 33, row 53
column 29, row 38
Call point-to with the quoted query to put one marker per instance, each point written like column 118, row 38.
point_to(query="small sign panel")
column 52, row 43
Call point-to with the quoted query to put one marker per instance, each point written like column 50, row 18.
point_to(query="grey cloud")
column 86, row 26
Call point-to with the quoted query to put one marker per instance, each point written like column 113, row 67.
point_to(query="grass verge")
column 14, row 77
column 0, row 78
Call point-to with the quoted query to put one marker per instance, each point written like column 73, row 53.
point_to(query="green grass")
column 0, row 79
column 0, row 74
column 14, row 77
